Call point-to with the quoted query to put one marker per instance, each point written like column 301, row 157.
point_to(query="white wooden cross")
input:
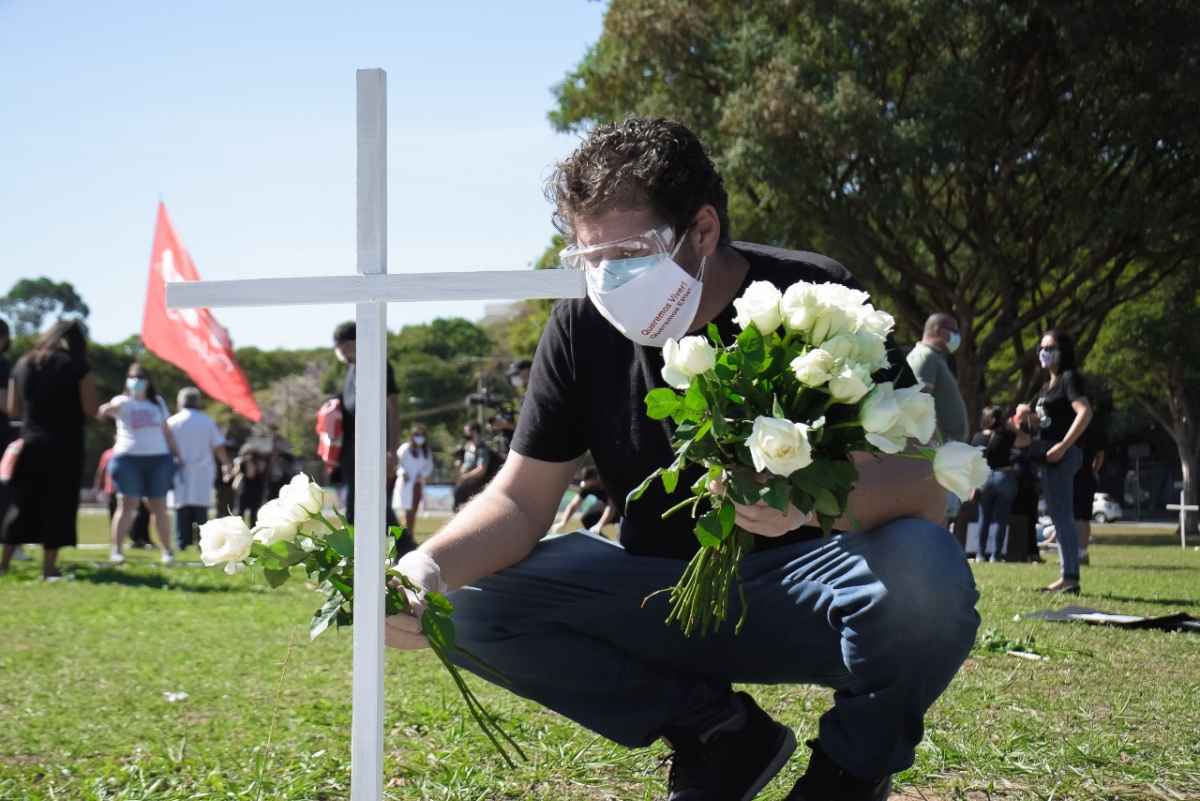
column 371, row 290
column 1183, row 508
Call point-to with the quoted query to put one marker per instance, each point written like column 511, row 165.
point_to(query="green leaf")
column 323, row 618
column 776, row 408
column 694, row 401
column 438, row 628
column 640, row 489
column 342, row 543
column 778, row 493
column 743, row 486
column 276, row 578
column 670, row 478
column 726, row 516
column 714, row 335
column 435, row 600
column 733, row 396
column 826, row 504
column 708, row 530
column 845, row 473
column 661, row 403
column 289, row 553
column 750, row 345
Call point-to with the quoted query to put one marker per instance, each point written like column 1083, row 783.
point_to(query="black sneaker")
column 732, row 761
column 825, row 780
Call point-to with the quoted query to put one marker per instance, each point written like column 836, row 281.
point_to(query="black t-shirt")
column 50, row 394
column 997, row 447
column 1054, row 405
column 587, row 390
column 349, row 402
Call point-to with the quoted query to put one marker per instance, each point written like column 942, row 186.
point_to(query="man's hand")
column 764, row 520
column 403, row 631
column 1056, row 453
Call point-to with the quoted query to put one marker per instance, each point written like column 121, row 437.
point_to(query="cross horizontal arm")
column 477, row 285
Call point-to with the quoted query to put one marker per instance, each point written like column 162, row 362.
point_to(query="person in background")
column 415, row 464
column 144, row 459
column 7, row 432
column 53, row 392
column 102, row 485
column 1064, row 413
column 345, row 347
column 930, row 362
column 996, row 496
column 479, row 464
column 599, row 513
column 249, row 482
column 201, row 446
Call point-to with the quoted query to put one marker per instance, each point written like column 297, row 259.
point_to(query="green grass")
column 84, row 666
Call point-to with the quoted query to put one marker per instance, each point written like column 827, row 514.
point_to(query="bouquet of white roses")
column 294, row 531
column 774, row 417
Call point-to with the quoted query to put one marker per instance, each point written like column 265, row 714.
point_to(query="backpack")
column 329, row 433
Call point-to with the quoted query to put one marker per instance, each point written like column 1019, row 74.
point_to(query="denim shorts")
column 142, row 476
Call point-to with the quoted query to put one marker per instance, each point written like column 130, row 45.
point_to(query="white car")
column 1105, row 508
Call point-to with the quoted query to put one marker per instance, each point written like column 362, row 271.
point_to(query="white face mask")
column 953, row 342
column 649, row 299
column 419, row 440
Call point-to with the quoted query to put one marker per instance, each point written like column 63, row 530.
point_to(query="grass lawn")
column 85, row 665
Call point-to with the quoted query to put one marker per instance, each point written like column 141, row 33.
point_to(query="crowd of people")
column 1043, row 452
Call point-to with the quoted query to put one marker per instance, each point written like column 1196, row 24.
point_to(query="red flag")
column 190, row 339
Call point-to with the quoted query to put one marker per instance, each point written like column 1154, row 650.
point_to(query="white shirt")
column 195, row 436
column 139, row 426
column 412, row 465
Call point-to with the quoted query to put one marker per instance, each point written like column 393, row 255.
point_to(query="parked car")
column 1105, row 508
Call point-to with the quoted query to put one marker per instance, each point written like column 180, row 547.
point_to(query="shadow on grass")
column 1108, row 596
column 1148, row 567
column 156, row 581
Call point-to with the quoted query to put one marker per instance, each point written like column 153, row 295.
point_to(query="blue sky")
column 240, row 116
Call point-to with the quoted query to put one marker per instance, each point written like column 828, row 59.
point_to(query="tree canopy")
column 1019, row 165
column 32, row 300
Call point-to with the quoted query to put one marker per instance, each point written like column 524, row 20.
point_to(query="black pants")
column 139, row 534
column 187, row 518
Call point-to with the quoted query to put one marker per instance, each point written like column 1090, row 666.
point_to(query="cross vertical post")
column 370, row 436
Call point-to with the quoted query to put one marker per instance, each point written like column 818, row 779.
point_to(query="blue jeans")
column 1058, row 488
column 885, row 618
column 995, row 505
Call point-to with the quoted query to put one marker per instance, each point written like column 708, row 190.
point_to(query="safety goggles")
column 649, row 243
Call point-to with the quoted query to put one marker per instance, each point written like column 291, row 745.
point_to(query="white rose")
column 875, row 322
column 960, row 468
column 918, row 413
column 843, row 347
column 849, row 385
column 226, row 539
column 870, row 350
column 798, row 306
column 881, row 410
column 815, row 368
column 842, row 296
column 278, row 520
column 759, row 305
column 306, row 494
column 893, row 440
column 688, row 357
column 779, row 446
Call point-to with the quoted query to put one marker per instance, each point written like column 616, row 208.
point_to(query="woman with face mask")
column 143, row 461
column 1064, row 413
column 415, row 462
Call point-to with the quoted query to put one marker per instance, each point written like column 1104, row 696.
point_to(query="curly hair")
column 637, row 163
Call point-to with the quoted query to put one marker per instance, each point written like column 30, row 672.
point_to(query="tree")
column 1018, row 165
column 1147, row 351
column 32, row 300
column 520, row 333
